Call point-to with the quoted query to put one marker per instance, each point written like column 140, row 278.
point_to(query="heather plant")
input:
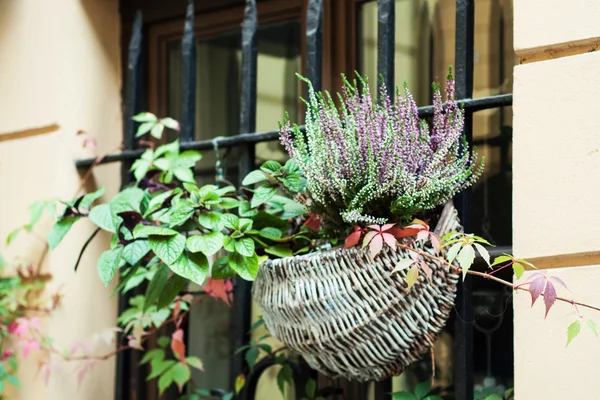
column 367, row 162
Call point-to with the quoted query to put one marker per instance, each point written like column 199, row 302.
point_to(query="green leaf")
column 465, row 259
column 101, row 215
column 518, row 269
column 157, row 201
column 154, row 355
column 128, row 199
column 433, row 397
column 422, row 389
column 163, row 341
column 592, row 325
column 221, row 269
column 266, row 220
column 36, row 210
column 270, row 233
column 404, row 396
column 192, row 266
column 279, row 250
column 108, row 263
column 142, row 231
column 145, row 117
column 156, row 286
column 160, row 368
column 157, row 130
column 452, row 252
column 493, row 396
column 195, row 362
column 13, row 380
column 483, row 253
column 311, row 388
column 145, row 128
column 135, row 251
column 244, row 209
column 246, row 267
column 167, row 248
column 284, row 376
column 209, row 220
column 292, row 182
column 184, row 174
column 261, row 195
column 170, row 123
column 172, row 288
column 12, row 236
column 245, row 247
column 500, row 260
column 573, row 330
column 59, row 230
column 181, row 375
column 89, row 198
column 208, row 243
column 251, row 357
column 271, row 166
column 240, row 381
column 182, row 213
column 230, row 221
column 228, row 203
column 254, row 177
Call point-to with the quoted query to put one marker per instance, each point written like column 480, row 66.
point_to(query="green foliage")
column 422, row 391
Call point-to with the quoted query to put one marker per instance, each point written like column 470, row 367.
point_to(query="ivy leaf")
column 262, row 194
column 59, row 230
column 157, row 130
column 353, row 239
column 170, row 123
column 192, row 266
column 536, row 288
column 270, row 233
column 411, row 276
column 465, row 259
column 251, row 356
column 208, row 243
column 518, row 269
column 549, row 296
column 154, row 355
column 453, row 252
column 572, row 331
column 209, row 220
column 483, row 253
column 178, row 345
column 144, row 117
column 592, row 325
column 135, row 251
column 422, row 389
column 279, row 250
column 500, row 260
column 167, row 248
column 284, row 376
column 89, row 198
column 108, row 263
column 404, row 396
column 245, row 247
column 101, row 215
column 145, row 128
column 246, row 267
column 240, row 381
column 254, row 177
column 195, row 362
column 172, row 288
column 402, row 265
column 156, row 286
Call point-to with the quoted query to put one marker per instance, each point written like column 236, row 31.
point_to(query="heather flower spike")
column 372, row 163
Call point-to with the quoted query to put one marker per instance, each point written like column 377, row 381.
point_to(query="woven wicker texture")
column 349, row 316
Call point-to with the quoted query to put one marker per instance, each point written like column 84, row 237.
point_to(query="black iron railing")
column 130, row 381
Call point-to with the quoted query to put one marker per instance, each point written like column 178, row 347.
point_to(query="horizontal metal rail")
column 484, row 103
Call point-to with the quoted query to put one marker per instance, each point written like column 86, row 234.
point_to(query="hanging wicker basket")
column 351, row 317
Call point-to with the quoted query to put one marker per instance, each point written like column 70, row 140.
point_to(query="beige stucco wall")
column 60, row 65
column 556, row 189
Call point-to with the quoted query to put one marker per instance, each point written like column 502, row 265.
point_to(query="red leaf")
column 423, row 235
column 178, row 345
column 427, row 270
column 560, row 281
column 435, row 243
column 313, row 222
column 375, row 246
column 353, row 239
column 389, row 239
column 376, row 228
column 536, row 288
column 401, row 233
column 368, row 237
column 220, row 289
column 549, row 296
column 176, row 311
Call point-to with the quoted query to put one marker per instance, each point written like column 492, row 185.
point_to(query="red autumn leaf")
column 178, row 345
column 560, row 281
column 176, row 311
column 353, row 239
column 375, row 246
column 428, row 272
column 387, row 227
column 403, row 232
column 313, row 222
column 423, row 235
column 549, row 296
column 536, row 288
column 368, row 237
column 435, row 243
column 389, row 239
column 220, row 289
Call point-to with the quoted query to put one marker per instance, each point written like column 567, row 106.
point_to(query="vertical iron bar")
column 463, row 329
column 127, row 378
column 188, row 76
column 242, row 305
column 314, row 43
column 386, row 35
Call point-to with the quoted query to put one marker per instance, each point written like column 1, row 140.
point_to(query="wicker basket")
column 349, row 316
